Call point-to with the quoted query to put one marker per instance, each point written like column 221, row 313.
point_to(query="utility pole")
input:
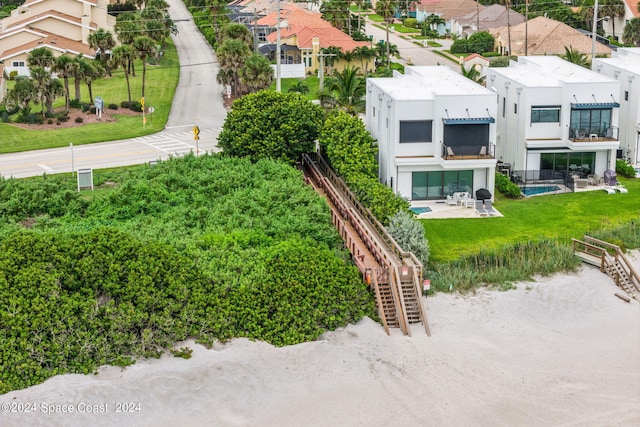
column 321, row 71
column 526, row 28
column 593, row 31
column 255, row 30
column 278, row 52
column 509, row 26
column 477, row 16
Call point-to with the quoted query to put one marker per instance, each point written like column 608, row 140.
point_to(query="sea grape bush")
column 211, row 248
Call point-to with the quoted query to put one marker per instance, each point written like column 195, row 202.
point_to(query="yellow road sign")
column 142, row 101
column 196, row 131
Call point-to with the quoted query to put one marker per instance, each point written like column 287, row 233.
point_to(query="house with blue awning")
column 435, row 130
column 555, row 119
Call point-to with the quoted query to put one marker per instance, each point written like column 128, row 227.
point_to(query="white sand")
column 563, row 351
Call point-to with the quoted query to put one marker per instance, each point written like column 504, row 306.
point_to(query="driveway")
column 198, row 100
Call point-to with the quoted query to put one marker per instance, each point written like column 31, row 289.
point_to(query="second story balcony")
column 469, row 152
column 594, row 134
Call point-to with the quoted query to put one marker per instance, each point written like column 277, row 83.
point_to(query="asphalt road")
column 198, row 100
column 409, row 51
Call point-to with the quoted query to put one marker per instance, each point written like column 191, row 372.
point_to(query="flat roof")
column 427, row 82
column 548, row 71
column 627, row 59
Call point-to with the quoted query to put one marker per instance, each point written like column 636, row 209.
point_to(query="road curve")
column 197, row 100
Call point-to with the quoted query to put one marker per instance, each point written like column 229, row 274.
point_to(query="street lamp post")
column 593, row 30
column 278, row 51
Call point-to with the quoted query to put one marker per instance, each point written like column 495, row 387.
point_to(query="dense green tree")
column 235, row 32
column 481, row 42
column 269, row 124
column 219, row 11
column 22, row 95
column 336, row 12
column 102, row 42
column 350, row 148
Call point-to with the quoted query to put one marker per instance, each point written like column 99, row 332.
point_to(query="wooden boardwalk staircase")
column 612, row 261
column 395, row 276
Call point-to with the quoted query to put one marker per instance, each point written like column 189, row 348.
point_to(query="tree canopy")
column 269, row 124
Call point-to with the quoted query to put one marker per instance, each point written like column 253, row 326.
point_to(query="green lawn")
column 312, row 82
column 562, row 216
column 160, row 87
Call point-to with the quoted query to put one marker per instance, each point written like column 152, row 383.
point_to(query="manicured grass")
column 562, row 217
column 375, row 17
column 399, row 28
column 434, row 44
column 160, row 86
column 312, row 82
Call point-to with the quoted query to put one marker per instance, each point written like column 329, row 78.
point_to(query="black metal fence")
column 544, row 181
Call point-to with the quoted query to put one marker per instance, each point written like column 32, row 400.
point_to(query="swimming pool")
column 532, row 191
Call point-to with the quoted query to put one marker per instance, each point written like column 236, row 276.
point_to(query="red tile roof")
column 328, row 36
column 634, row 6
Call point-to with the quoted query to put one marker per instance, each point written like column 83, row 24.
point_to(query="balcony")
column 468, row 152
column 597, row 135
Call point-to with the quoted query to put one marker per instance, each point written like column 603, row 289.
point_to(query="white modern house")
column 624, row 66
column 555, row 119
column 435, row 130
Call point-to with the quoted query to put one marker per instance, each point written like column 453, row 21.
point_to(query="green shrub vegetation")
column 625, row 169
column 273, row 125
column 206, row 247
column 508, row 188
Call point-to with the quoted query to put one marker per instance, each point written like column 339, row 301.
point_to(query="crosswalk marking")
column 169, row 143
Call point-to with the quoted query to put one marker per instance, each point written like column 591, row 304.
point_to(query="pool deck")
column 441, row 210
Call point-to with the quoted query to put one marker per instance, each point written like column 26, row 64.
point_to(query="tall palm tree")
column 41, row 79
column 232, row 55
column 387, row 9
column 52, row 91
column 364, row 54
column 235, row 32
column 144, row 47
column 220, row 14
column 256, row 73
column 91, row 71
column 22, row 95
column 41, row 57
column 102, row 41
column 121, row 56
column 336, row 12
column 574, row 56
column 128, row 26
column 631, row 34
column 77, row 74
column 64, row 67
column 349, row 90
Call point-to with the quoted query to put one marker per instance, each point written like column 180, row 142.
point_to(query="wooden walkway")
column 395, row 276
column 612, row 261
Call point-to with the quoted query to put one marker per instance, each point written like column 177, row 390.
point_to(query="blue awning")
column 469, row 121
column 595, row 105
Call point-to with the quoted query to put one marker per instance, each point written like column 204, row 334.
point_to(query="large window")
column 545, row 114
column 438, row 184
column 558, row 165
column 467, row 139
column 588, row 122
column 415, row 131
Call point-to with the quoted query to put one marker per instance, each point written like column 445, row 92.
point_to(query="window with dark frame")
column 626, row 95
column 415, row 131
column 545, row 114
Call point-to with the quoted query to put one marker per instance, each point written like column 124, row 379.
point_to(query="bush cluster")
column 508, row 188
column 625, row 169
column 204, row 247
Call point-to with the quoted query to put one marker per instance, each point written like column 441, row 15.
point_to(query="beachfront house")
column 624, row 66
column 555, row 119
column 435, row 130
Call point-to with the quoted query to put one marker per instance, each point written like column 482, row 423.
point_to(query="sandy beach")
column 560, row 351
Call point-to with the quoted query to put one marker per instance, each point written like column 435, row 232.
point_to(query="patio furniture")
column 460, row 197
column 580, row 134
column 451, row 200
column 620, row 188
column 582, row 183
column 480, row 208
column 595, row 179
column 488, row 206
column 483, row 151
column 450, row 152
column 470, row 203
column 609, row 190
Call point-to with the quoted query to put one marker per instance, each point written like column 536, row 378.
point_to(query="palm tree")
column 128, row 26
column 384, row 50
column 336, row 12
column 62, row 67
column 472, row 74
column 91, row 71
column 235, row 32
column 77, row 74
column 348, row 89
column 102, row 41
column 219, row 14
column 364, row 54
column 121, row 56
column 232, row 55
column 613, row 9
column 256, row 73
column 41, row 79
column 144, row 46
column 299, row 87
column 433, row 21
column 387, row 9
column 41, row 57
column 22, row 94
column 52, row 91
column 631, row 34
column 575, row 57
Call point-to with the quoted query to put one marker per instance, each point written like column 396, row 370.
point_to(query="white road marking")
column 45, row 167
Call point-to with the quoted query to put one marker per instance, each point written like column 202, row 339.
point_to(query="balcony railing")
column 468, row 152
column 608, row 134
